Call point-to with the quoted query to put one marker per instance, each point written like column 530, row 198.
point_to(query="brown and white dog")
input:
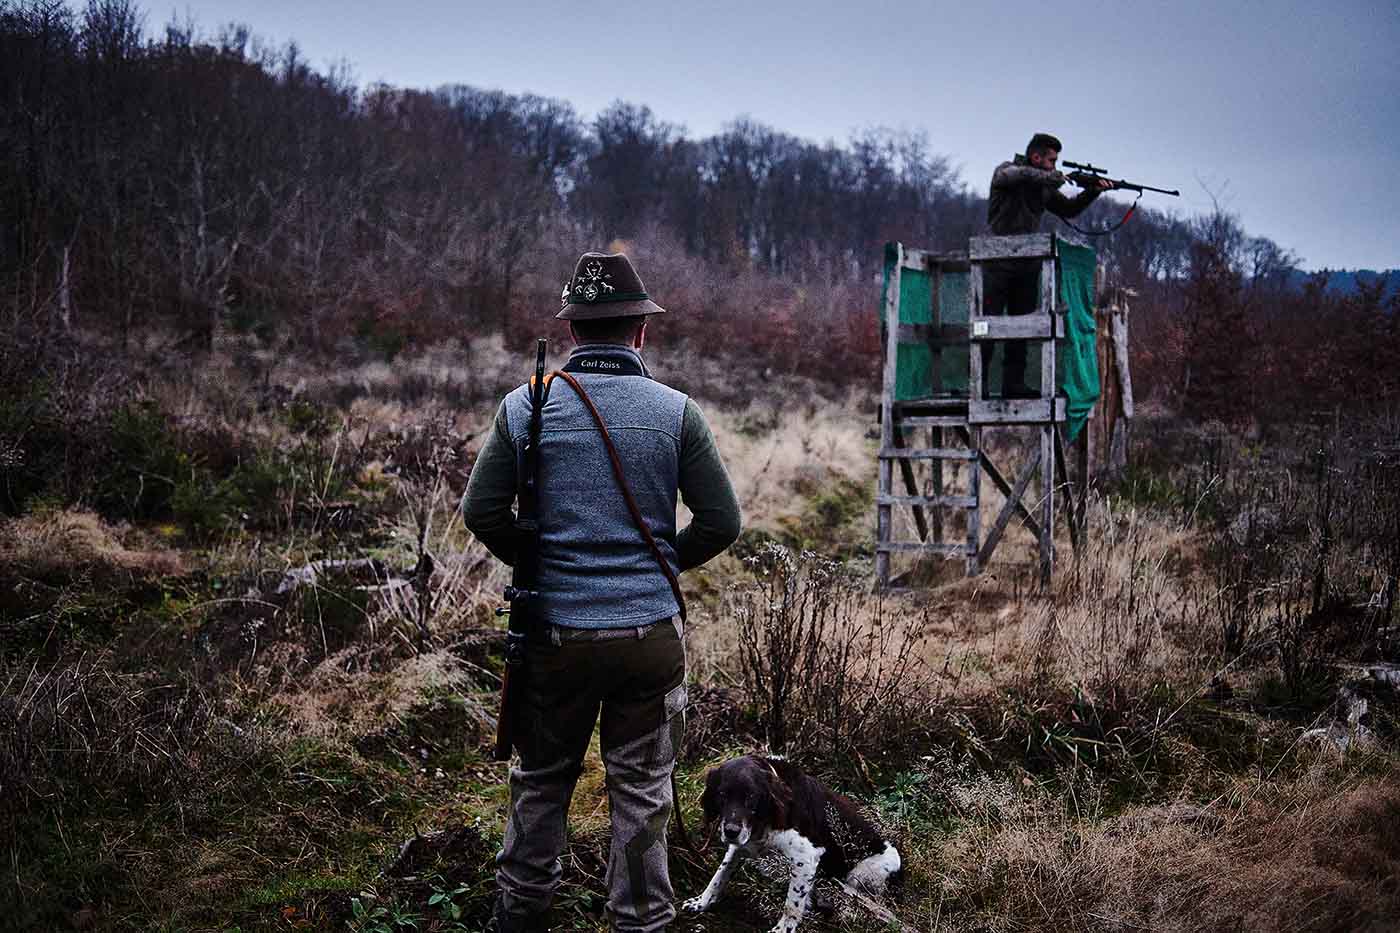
column 761, row 804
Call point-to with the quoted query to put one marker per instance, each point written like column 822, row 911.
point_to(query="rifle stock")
column 521, row 593
column 505, row 737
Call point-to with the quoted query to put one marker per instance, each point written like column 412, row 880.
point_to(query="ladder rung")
column 927, row 453
column 956, row 502
column 924, row 546
column 931, row 421
column 949, row 403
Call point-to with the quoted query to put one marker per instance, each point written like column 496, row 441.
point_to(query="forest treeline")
column 171, row 181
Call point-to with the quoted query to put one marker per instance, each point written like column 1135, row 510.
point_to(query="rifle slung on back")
column 521, row 594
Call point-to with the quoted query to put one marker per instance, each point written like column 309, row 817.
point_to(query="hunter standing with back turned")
column 1022, row 191
column 603, row 630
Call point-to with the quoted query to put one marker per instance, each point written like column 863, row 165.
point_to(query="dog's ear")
column 781, row 795
column 709, row 800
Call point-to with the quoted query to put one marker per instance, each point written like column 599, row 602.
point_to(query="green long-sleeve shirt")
column 1021, row 194
column 704, row 487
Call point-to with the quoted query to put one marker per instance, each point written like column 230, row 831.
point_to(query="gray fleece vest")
column 596, row 570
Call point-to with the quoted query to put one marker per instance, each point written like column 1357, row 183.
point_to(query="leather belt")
column 562, row 634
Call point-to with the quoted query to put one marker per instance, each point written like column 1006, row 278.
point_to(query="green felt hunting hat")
column 605, row 285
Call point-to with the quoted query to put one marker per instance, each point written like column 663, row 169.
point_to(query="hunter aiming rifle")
column 521, row 593
column 1086, row 175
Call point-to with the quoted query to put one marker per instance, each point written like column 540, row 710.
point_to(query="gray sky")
column 1288, row 112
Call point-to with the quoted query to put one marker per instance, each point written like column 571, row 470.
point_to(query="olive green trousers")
column 634, row 678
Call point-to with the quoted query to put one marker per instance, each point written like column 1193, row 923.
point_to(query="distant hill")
column 1345, row 281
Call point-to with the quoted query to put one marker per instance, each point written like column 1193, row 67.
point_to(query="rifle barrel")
column 1134, row 186
column 537, row 390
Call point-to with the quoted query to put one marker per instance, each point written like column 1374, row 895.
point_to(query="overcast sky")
column 1287, row 112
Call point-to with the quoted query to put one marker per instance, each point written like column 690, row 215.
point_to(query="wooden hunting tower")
column 934, row 328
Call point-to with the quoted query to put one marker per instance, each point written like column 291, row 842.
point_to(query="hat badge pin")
column 590, row 284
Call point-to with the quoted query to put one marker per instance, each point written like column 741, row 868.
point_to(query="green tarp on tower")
column 1077, row 363
column 1076, row 359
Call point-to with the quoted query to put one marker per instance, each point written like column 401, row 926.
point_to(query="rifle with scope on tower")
column 1086, row 175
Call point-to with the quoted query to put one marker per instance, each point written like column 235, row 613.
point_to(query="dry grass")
column 1121, row 615
column 339, row 700
column 81, row 727
column 65, row 544
column 1319, row 852
column 773, row 454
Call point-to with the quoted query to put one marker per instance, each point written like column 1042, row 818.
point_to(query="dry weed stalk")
column 824, row 669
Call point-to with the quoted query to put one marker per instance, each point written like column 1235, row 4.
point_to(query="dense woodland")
column 197, row 184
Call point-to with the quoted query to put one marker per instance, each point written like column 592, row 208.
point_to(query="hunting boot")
column 502, row 922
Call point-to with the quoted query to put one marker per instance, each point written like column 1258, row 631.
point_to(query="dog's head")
column 745, row 799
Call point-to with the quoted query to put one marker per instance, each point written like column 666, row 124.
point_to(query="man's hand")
column 1095, row 183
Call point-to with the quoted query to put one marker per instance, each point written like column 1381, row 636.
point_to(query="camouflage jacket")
column 1022, row 193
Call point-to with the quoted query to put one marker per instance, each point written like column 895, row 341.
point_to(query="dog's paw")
column 695, row 905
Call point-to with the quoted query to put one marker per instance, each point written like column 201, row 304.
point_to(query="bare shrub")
column 1302, row 529
column 58, row 403
column 824, row 668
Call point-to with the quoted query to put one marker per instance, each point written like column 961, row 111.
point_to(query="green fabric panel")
column 913, row 372
column 915, row 298
column 1075, row 354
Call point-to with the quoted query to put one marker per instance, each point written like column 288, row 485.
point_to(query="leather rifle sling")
column 661, row 562
column 626, row 488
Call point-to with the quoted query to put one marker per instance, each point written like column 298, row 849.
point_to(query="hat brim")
column 604, row 309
